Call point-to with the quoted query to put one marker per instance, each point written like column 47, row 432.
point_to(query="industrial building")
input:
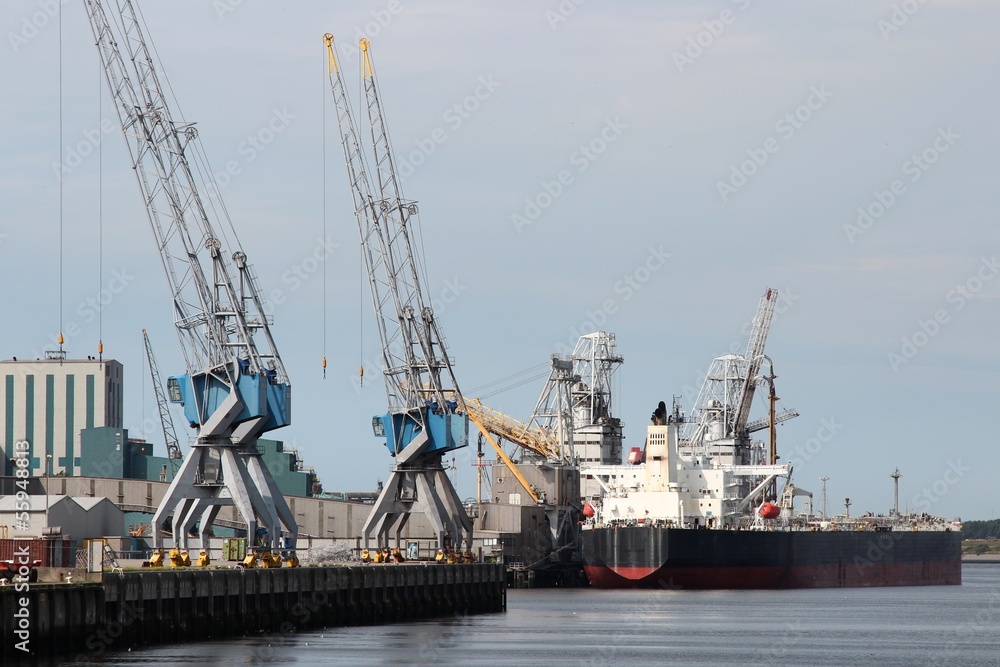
column 111, row 453
column 81, row 517
column 49, row 402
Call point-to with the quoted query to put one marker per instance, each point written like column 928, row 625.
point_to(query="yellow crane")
column 514, row 430
column 492, row 422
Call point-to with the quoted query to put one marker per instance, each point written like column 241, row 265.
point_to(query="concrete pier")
column 85, row 621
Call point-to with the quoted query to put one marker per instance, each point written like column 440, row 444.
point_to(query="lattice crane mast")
column 426, row 414
column 753, row 356
column 166, row 421
column 723, row 405
column 235, row 386
column 553, row 413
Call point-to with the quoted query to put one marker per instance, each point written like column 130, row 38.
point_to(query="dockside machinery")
column 235, row 387
column 426, row 416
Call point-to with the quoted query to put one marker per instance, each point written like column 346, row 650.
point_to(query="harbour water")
column 923, row 625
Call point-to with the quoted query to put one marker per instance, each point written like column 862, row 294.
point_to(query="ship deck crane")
column 765, row 422
column 754, row 354
column 723, row 404
column 553, row 413
column 575, row 401
column 426, row 416
column 166, row 421
column 235, row 386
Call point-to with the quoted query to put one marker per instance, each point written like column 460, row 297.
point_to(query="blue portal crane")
column 426, row 414
column 235, row 387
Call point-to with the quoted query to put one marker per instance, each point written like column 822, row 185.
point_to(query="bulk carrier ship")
column 700, row 506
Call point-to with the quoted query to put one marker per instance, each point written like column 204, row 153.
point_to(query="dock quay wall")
column 83, row 622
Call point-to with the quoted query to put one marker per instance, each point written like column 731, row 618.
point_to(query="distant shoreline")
column 985, row 558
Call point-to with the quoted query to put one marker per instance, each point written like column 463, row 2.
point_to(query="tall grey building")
column 48, row 402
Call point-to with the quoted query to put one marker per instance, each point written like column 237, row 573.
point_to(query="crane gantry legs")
column 218, row 475
column 425, row 489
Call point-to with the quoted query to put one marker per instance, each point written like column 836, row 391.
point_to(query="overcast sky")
column 647, row 168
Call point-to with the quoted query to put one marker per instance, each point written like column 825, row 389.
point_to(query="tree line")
column 981, row 530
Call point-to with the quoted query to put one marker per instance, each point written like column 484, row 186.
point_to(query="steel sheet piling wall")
column 86, row 621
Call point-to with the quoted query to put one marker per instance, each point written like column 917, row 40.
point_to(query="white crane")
column 166, row 421
column 235, row 386
column 723, row 404
column 575, row 405
column 753, row 356
column 553, row 413
column 426, row 414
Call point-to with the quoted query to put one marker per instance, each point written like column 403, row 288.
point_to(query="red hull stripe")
column 814, row 576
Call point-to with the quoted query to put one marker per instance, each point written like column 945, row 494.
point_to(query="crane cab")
column 446, row 430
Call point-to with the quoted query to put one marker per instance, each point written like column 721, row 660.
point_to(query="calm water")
column 936, row 625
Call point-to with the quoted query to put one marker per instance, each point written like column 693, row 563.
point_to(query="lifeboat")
column 769, row 510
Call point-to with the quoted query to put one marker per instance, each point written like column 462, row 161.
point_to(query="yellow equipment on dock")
column 179, row 558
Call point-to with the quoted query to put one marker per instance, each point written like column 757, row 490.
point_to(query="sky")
column 644, row 168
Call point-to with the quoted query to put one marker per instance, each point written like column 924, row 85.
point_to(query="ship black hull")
column 673, row 558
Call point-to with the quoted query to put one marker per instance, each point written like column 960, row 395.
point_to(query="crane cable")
column 537, row 371
column 100, row 212
column 361, row 254
column 324, row 226
column 361, row 313
column 61, row 174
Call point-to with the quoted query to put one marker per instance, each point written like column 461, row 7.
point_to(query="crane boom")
column 755, row 348
column 411, row 326
column 765, row 422
column 166, row 421
column 233, row 389
column 723, row 404
column 426, row 414
column 523, row 435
